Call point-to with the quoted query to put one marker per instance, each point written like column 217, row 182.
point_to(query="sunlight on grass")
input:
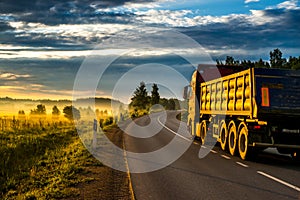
column 42, row 159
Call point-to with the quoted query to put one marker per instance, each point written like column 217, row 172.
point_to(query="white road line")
column 196, row 143
column 213, row 151
column 189, row 140
column 204, row 147
column 279, row 181
column 242, row 164
column 226, row 157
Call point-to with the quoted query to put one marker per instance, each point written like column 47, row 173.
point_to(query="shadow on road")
column 278, row 160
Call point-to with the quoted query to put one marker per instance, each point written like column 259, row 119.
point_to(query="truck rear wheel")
column 223, row 135
column 232, row 138
column 243, row 142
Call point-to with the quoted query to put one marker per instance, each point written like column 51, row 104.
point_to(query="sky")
column 45, row 44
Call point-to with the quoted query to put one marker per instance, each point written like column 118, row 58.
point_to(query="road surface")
column 216, row 176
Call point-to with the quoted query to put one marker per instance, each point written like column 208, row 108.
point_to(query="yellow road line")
column 128, row 173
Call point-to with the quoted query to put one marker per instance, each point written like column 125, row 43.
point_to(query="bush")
column 108, row 121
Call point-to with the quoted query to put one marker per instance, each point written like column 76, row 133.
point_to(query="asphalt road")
column 216, row 176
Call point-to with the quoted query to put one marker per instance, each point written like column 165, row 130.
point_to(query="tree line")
column 141, row 102
column 276, row 61
column 70, row 112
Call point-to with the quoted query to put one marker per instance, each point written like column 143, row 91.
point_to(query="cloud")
column 32, row 92
column 44, row 43
column 250, row 1
column 250, row 36
column 67, row 12
column 273, row 27
column 36, row 78
column 261, row 17
column 186, row 18
column 67, row 6
column 69, row 37
column 288, row 5
column 4, row 26
column 166, row 17
column 61, row 17
column 32, row 54
column 12, row 76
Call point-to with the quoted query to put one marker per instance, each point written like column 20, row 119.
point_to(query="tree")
column 55, row 111
column 164, row 102
column 229, row 60
column 40, row 110
column 71, row 113
column 219, row 62
column 276, row 58
column 276, row 61
column 21, row 114
column 293, row 63
column 140, row 99
column 261, row 64
column 154, row 95
column 247, row 63
column 171, row 104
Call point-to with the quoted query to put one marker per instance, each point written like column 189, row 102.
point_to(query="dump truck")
column 246, row 110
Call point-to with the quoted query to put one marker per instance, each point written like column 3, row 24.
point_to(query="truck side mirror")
column 186, row 90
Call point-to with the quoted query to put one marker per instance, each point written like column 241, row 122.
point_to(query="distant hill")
column 98, row 102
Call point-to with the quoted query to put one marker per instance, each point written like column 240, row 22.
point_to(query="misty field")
column 41, row 158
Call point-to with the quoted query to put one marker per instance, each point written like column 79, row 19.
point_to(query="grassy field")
column 42, row 161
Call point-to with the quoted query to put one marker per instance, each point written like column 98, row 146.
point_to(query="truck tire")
column 232, row 138
column 243, row 142
column 223, row 135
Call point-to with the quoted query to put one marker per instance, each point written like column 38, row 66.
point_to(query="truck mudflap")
column 288, row 146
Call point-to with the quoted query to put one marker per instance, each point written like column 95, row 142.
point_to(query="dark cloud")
column 66, row 11
column 17, row 6
column 240, row 34
column 292, row 18
column 114, row 3
column 77, row 18
column 4, row 26
column 33, row 41
column 54, row 41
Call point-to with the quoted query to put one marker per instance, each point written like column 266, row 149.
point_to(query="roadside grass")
column 43, row 163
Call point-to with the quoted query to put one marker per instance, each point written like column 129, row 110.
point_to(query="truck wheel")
column 203, row 130
column 223, row 135
column 243, row 142
column 232, row 139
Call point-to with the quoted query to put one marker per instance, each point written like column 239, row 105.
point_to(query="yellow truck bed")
column 229, row 95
